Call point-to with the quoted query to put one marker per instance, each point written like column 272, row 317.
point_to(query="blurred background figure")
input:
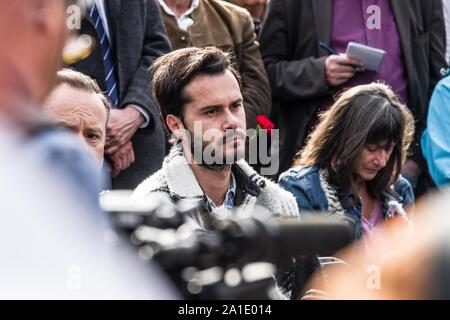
column 304, row 77
column 350, row 166
column 413, row 265
column 130, row 35
column 54, row 240
column 257, row 9
column 435, row 139
column 203, row 23
column 78, row 104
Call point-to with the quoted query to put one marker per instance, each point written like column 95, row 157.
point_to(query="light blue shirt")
column 436, row 138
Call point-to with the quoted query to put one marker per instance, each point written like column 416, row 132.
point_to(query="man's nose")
column 231, row 121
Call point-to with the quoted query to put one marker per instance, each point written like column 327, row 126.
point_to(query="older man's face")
column 81, row 112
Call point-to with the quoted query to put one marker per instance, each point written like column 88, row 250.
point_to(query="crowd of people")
column 168, row 99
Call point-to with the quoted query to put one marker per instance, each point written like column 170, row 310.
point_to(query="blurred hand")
column 340, row 68
column 122, row 125
column 122, row 159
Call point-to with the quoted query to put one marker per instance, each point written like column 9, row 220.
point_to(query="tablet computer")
column 371, row 57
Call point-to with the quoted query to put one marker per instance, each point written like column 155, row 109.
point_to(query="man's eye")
column 93, row 136
column 211, row 112
column 237, row 106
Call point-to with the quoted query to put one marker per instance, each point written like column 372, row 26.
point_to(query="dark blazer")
column 138, row 38
column 295, row 63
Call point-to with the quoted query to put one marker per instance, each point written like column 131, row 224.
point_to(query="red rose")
column 265, row 123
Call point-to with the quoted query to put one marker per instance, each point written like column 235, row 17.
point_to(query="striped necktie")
column 110, row 77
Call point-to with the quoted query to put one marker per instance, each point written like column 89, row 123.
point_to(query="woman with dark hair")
column 351, row 163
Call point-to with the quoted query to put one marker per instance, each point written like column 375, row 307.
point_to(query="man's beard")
column 225, row 161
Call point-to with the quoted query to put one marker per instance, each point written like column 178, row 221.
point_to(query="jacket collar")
column 244, row 185
column 182, row 183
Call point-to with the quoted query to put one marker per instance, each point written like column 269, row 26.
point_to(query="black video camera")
column 234, row 259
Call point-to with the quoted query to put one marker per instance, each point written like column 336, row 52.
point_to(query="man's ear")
column 36, row 12
column 176, row 127
column 42, row 13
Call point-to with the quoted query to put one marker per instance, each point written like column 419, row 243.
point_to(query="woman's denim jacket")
column 304, row 184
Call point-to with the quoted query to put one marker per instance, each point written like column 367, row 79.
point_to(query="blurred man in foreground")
column 53, row 240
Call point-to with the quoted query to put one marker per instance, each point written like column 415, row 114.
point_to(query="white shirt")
column 184, row 21
column 225, row 210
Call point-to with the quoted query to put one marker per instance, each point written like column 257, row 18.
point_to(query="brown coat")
column 229, row 27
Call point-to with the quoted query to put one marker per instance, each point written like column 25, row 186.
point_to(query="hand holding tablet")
column 358, row 57
column 340, row 68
